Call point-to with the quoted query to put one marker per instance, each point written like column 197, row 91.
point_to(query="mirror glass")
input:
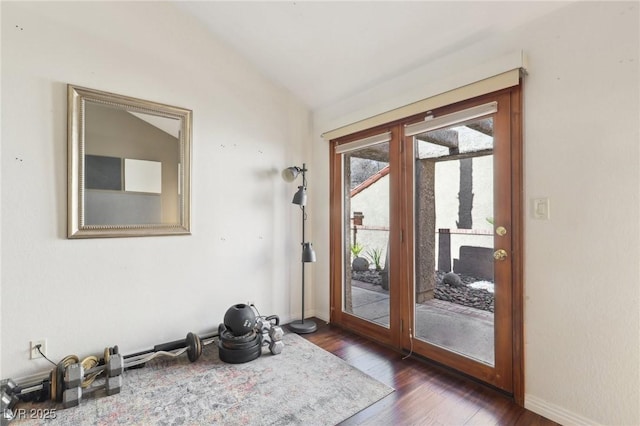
column 129, row 166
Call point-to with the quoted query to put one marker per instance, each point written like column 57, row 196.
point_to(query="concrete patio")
column 461, row 329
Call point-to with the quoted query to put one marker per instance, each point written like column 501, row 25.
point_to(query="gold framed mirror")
column 129, row 166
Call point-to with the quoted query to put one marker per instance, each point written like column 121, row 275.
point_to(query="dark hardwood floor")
column 425, row 394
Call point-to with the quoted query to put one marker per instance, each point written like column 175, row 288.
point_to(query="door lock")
column 501, row 231
column 500, row 254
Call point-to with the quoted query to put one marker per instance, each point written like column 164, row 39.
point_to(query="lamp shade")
column 290, row 173
column 300, row 197
column 308, row 255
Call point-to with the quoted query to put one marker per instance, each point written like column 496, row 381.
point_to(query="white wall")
column 582, row 282
column 84, row 295
column 373, row 202
column 447, row 185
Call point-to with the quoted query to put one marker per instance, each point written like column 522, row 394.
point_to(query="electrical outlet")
column 34, row 351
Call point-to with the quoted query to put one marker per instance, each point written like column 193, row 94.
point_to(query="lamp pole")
column 304, row 219
column 307, row 255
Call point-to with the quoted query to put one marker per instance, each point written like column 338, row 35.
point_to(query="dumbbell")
column 9, row 400
column 74, row 375
column 65, row 377
column 8, row 396
column 276, row 332
column 270, row 326
column 275, row 346
column 64, row 383
column 36, row 390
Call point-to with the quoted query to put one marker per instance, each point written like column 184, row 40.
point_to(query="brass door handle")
column 500, row 254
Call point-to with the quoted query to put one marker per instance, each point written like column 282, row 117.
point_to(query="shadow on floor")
column 461, row 329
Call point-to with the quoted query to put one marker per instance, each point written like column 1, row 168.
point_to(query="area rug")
column 304, row 385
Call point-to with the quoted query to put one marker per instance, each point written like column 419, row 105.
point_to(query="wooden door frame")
column 386, row 336
column 501, row 373
column 517, row 243
column 403, row 304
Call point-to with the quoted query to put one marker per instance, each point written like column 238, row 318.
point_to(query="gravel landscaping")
column 454, row 291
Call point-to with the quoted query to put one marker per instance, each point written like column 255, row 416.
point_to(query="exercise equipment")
column 74, row 380
column 271, row 332
column 240, row 338
column 239, row 356
column 229, row 341
column 8, row 402
column 192, row 345
column 36, row 390
column 240, row 319
column 237, row 348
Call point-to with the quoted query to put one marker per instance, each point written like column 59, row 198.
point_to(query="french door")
column 425, row 236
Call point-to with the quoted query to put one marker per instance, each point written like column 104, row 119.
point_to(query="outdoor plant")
column 356, row 249
column 375, row 255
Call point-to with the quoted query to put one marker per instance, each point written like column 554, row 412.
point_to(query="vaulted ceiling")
column 326, row 51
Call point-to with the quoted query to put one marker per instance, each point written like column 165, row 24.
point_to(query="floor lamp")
column 289, row 174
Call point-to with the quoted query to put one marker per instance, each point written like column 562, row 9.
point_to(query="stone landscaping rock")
column 360, row 264
column 452, row 279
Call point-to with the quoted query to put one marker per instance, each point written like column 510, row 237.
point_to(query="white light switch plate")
column 540, row 208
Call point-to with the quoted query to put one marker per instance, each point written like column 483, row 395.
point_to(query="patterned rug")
column 304, row 385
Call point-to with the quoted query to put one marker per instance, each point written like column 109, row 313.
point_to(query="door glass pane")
column 454, row 279
column 366, row 233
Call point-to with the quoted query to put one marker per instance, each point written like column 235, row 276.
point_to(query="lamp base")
column 303, row 326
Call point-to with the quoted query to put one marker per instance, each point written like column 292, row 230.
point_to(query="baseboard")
column 307, row 314
column 555, row 412
column 322, row 317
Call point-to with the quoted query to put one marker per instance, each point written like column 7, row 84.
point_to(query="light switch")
column 541, row 208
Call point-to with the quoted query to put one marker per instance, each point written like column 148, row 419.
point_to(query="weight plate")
column 199, row 350
column 59, row 382
column 45, row 393
column 53, row 380
column 194, row 346
column 235, row 345
column 228, row 336
column 239, row 356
